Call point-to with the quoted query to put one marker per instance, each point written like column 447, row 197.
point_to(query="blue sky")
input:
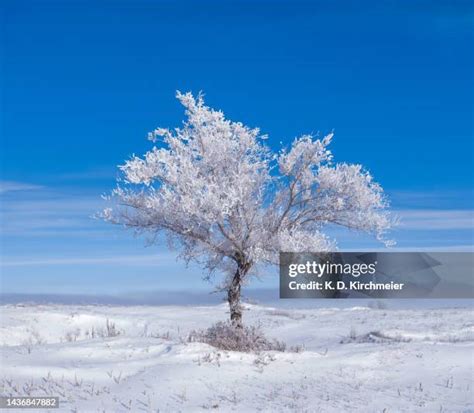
column 84, row 81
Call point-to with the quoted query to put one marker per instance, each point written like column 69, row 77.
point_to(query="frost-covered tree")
column 226, row 201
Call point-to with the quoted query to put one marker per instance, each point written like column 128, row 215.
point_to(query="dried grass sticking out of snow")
column 225, row 336
column 293, row 315
column 387, row 337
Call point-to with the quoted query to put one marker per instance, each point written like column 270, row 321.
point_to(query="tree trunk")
column 233, row 297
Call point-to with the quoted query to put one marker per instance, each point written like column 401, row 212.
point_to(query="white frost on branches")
column 219, row 193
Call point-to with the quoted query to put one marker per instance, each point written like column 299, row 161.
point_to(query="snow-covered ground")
column 355, row 359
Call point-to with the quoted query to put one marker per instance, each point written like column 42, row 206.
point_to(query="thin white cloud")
column 10, row 186
column 49, row 214
column 138, row 259
column 433, row 219
column 440, row 199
